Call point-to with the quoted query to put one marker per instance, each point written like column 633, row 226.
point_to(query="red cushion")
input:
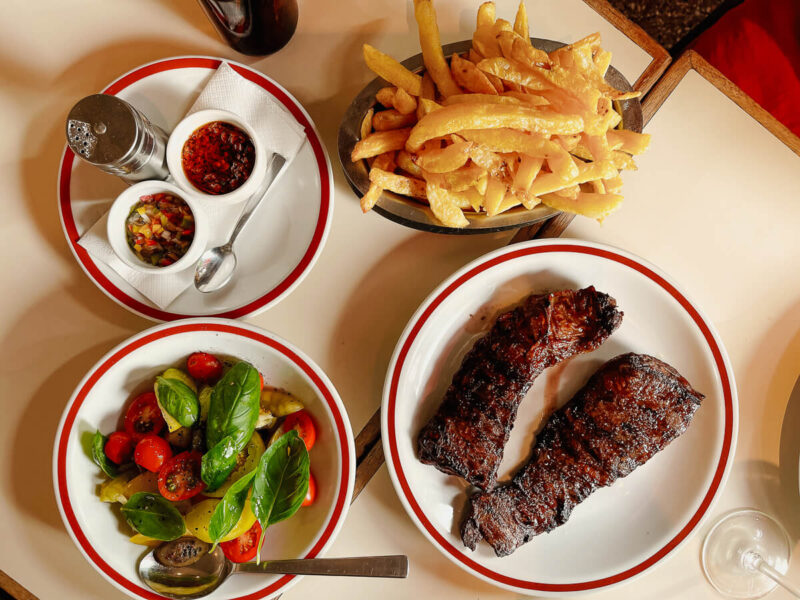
column 757, row 46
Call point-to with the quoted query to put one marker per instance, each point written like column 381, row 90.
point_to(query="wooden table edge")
column 660, row 57
column 692, row 60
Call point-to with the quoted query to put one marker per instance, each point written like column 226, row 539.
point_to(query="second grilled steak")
column 467, row 435
column 628, row 411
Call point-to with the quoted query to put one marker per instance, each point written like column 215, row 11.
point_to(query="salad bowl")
column 128, row 370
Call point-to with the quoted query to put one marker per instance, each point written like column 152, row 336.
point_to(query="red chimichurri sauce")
column 218, row 157
column 160, row 229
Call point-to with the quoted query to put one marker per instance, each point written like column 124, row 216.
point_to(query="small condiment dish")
column 117, row 233
column 183, row 132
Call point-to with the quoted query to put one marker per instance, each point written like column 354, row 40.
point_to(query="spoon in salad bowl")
column 216, row 266
column 173, row 569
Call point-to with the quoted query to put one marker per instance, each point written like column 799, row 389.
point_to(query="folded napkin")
column 277, row 131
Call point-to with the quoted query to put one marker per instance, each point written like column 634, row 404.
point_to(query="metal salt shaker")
column 112, row 135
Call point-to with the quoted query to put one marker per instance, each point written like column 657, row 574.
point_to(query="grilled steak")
column 628, row 411
column 467, row 435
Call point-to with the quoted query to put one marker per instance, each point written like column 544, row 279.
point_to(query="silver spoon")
column 216, row 266
column 207, row 574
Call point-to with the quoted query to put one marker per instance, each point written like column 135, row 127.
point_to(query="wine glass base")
column 730, row 538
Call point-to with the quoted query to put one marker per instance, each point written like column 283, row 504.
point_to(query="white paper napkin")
column 277, row 131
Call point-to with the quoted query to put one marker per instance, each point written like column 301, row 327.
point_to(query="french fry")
column 526, row 172
column 613, row 185
column 431, row 46
column 405, row 162
column 512, row 140
column 443, row 160
column 569, row 192
column 514, row 72
column 531, row 99
column 485, row 42
column 372, row 196
column 487, row 160
column 366, row 123
column 588, row 204
column 392, row 119
column 469, row 77
column 459, row 117
column 602, row 61
column 562, row 166
column 380, row 142
column 428, row 93
column 521, row 22
column 495, row 192
column 445, row 206
column 628, row 141
column 547, row 183
column 481, row 99
column 392, row 71
column 510, row 200
column 458, row 180
column 385, row 162
column 486, row 14
column 427, row 106
column 404, row 102
column 399, row 184
column 385, row 96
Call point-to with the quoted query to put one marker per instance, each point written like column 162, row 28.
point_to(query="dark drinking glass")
column 254, row 27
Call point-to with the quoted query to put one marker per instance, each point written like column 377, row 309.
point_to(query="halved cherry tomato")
column 311, row 494
column 301, row 421
column 244, row 547
column 119, row 447
column 144, row 417
column 151, row 452
column 261, row 380
column 204, row 366
column 179, row 477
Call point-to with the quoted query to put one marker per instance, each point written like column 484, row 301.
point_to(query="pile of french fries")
column 502, row 126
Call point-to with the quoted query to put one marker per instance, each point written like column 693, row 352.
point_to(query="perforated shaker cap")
column 103, row 130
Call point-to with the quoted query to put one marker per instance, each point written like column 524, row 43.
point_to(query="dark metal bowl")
column 410, row 213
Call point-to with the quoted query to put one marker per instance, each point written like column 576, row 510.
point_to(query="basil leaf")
column 218, row 463
column 281, row 481
column 229, row 510
column 99, row 455
column 178, row 400
column 154, row 516
column 234, row 406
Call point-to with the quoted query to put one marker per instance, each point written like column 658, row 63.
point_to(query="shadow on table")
column 789, row 499
column 28, row 476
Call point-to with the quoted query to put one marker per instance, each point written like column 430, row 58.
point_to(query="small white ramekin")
column 117, row 235
column 184, row 130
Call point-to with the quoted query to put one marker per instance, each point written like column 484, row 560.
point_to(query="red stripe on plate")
column 68, row 219
column 707, row 499
column 66, row 434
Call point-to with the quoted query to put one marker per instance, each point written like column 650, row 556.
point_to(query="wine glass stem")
column 763, row 567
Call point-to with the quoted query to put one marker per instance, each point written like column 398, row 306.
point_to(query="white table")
column 372, row 274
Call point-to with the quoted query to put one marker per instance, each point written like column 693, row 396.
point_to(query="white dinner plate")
column 620, row 531
column 281, row 242
column 129, row 369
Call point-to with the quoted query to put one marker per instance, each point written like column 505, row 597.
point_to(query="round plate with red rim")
column 128, row 370
column 280, row 243
column 619, row 531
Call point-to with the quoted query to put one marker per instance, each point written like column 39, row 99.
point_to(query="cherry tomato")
column 302, row 423
column 261, row 380
column 151, row 452
column 244, row 547
column 144, row 417
column 119, row 447
column 179, row 477
column 311, row 494
column 204, row 366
